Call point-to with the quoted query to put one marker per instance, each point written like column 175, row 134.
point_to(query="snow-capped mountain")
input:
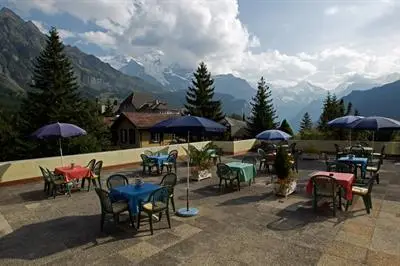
column 290, row 100
column 353, row 83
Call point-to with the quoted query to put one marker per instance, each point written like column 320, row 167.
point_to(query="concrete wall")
column 26, row 169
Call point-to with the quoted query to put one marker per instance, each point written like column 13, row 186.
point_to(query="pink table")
column 78, row 172
column 344, row 179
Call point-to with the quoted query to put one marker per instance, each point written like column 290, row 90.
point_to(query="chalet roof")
column 144, row 120
column 238, row 127
column 140, row 100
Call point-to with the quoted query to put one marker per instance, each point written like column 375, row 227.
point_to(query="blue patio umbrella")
column 344, row 122
column 187, row 124
column 273, row 134
column 58, row 131
column 376, row 123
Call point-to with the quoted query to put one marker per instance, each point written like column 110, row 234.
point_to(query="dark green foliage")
column 109, row 109
column 263, row 114
column 285, row 127
column 54, row 97
column 235, row 116
column 199, row 97
column 306, row 123
column 282, row 163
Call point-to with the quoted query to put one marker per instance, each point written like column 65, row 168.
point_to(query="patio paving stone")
column 247, row 227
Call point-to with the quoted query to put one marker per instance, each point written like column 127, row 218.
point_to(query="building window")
column 156, row 137
column 131, row 136
column 123, row 135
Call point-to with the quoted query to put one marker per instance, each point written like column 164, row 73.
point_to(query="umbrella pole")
column 188, row 174
column 61, row 153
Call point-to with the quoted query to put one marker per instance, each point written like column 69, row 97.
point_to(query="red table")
column 78, row 172
column 344, row 179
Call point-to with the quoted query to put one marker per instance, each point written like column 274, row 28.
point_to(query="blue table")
column 356, row 161
column 160, row 159
column 134, row 195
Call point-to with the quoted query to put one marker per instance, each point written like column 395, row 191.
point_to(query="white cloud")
column 40, row 26
column 99, row 37
column 331, row 10
column 210, row 30
column 64, row 34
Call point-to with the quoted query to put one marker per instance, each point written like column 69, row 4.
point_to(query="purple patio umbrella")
column 58, row 130
column 344, row 122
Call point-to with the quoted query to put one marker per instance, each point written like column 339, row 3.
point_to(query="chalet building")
column 131, row 130
column 145, row 103
column 237, row 129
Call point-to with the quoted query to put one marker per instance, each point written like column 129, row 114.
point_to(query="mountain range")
column 117, row 76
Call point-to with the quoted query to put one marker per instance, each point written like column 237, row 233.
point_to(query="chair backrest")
column 358, row 151
column 174, row 152
column 292, row 147
column 363, row 144
column 249, row 159
column 337, row 148
column 91, row 164
column 223, row 171
column 44, row 174
column 97, row 168
column 324, row 183
column 261, row 152
column 171, row 157
column 117, row 180
column 105, row 201
column 270, row 148
column 383, row 149
column 145, row 158
column 169, row 180
column 148, row 153
column 159, row 195
column 50, row 175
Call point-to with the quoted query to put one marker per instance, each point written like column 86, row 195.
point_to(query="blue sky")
column 324, row 42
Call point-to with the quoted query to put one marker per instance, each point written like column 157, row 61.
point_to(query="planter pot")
column 285, row 190
column 200, row 174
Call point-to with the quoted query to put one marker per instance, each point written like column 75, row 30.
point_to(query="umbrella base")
column 184, row 212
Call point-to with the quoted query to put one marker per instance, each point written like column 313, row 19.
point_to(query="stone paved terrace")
column 247, row 227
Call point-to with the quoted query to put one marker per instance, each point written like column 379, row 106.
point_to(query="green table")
column 247, row 171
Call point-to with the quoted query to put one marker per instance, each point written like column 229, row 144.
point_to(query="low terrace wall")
column 26, row 170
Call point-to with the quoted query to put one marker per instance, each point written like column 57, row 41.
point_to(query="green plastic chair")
column 148, row 163
column 325, row 187
column 156, row 204
column 226, row 174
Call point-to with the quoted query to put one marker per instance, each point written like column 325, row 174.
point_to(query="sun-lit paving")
column 248, row 227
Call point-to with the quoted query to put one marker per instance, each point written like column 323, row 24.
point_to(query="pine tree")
column 285, row 127
column 54, row 97
column 263, row 114
column 109, row 109
column 199, row 97
column 306, row 123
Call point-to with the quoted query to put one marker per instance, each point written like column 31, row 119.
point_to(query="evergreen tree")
column 54, row 97
column 306, row 123
column 285, row 127
column 356, row 112
column 263, row 114
column 109, row 109
column 199, row 97
column 243, row 117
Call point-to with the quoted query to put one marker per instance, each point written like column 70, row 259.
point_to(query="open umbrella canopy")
column 273, row 134
column 375, row 123
column 344, row 121
column 184, row 124
column 58, row 130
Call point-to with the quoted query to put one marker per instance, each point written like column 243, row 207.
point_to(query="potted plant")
column 200, row 162
column 287, row 181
